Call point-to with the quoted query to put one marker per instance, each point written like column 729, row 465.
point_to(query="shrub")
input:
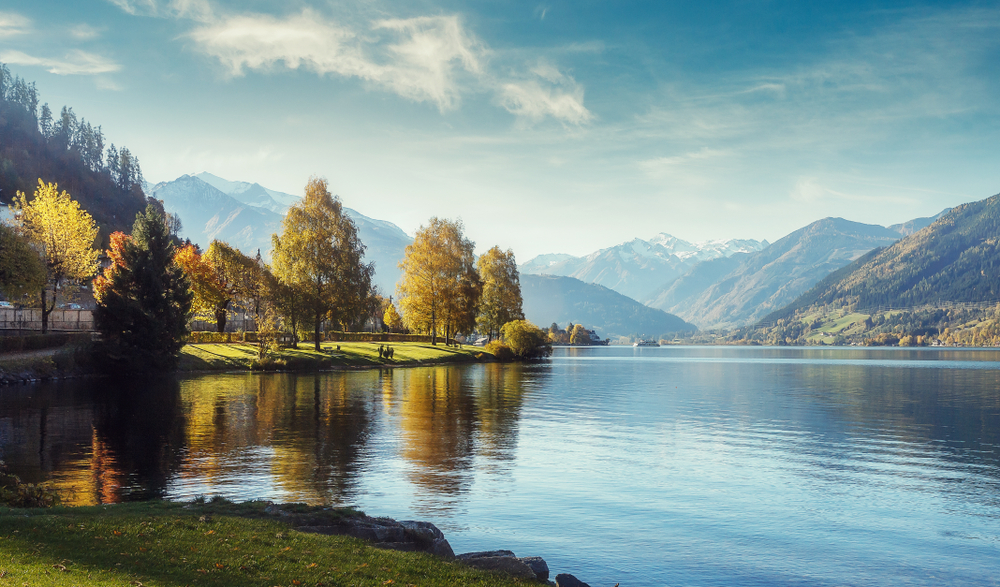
column 18, row 494
column 499, row 350
column 526, row 340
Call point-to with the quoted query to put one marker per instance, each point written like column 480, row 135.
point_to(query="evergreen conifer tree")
column 143, row 298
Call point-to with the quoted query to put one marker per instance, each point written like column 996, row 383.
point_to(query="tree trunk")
column 316, row 331
column 220, row 318
column 45, row 314
column 434, row 332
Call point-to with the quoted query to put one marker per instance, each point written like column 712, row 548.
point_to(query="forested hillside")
column 69, row 151
column 550, row 298
column 955, row 259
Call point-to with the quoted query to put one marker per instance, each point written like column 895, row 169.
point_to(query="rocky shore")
column 415, row 536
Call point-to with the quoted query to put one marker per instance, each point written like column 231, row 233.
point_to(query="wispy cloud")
column 549, row 92
column 76, row 62
column 199, row 10
column 431, row 59
column 84, row 32
column 12, row 24
column 421, row 62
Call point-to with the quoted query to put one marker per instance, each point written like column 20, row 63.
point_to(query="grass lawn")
column 209, row 544
column 237, row 356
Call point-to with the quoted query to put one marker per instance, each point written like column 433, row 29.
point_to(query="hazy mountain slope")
column 550, row 298
column 955, row 259
column 638, row 268
column 911, row 226
column 770, row 279
column 696, row 280
column 207, row 214
column 248, row 216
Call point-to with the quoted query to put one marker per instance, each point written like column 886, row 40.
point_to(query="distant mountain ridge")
column 560, row 299
column 954, row 259
column 769, row 279
column 245, row 215
column 638, row 267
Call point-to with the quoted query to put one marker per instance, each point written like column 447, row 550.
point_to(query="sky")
column 554, row 127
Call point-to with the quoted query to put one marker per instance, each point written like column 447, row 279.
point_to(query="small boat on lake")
column 645, row 343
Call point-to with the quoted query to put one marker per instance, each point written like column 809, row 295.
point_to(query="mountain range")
column 559, row 299
column 954, row 259
column 638, row 267
column 245, row 215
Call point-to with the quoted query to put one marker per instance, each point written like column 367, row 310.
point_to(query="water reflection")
column 288, row 437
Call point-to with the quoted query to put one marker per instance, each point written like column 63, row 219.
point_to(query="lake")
column 644, row 466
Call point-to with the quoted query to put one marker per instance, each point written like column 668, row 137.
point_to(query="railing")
column 60, row 320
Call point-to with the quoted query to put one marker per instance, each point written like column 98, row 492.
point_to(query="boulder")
column 538, row 565
column 567, row 580
column 410, row 536
column 486, row 560
column 501, row 564
column 485, row 553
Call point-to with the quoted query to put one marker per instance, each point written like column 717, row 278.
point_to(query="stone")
column 486, row 553
column 409, row 536
column 501, row 564
column 538, row 566
column 567, row 580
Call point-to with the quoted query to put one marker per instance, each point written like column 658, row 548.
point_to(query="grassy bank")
column 237, row 356
column 211, row 544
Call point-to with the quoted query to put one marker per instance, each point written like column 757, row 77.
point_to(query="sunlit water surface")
column 644, row 466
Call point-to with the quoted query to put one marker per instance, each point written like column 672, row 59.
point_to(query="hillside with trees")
column 37, row 144
column 769, row 279
column 954, row 260
column 551, row 298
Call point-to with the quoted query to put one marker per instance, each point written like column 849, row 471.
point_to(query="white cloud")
column 199, row 10
column 421, row 63
column 84, row 32
column 550, row 93
column 136, row 7
column 76, row 62
column 12, row 24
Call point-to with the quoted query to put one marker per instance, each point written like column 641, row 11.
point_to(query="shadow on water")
column 97, row 441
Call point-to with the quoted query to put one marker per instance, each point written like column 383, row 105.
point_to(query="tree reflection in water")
column 287, row 437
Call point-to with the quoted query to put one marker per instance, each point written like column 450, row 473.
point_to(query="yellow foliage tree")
column 440, row 287
column 64, row 235
column 210, row 294
column 391, row 317
column 501, row 299
column 319, row 258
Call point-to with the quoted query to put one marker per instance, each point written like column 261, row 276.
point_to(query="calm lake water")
column 647, row 466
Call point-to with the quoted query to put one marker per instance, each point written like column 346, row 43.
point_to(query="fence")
column 30, row 319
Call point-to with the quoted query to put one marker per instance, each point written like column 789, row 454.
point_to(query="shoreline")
column 70, row 362
column 224, row 543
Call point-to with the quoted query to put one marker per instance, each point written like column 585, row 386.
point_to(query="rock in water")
column 537, row 564
column 567, row 580
column 501, row 564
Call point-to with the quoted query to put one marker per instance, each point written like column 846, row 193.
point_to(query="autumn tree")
column 211, row 296
column 21, row 269
column 501, row 299
column 245, row 279
column 64, row 236
column 320, row 257
column 526, row 340
column 143, row 298
column 439, row 289
column 391, row 317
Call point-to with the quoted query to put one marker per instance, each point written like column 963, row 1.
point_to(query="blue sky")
column 546, row 127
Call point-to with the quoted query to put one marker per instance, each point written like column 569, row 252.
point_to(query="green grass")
column 221, row 545
column 240, row 356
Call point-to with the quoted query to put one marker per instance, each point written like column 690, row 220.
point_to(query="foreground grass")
column 172, row 544
column 225, row 357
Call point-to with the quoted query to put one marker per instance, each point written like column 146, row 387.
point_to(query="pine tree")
column 143, row 299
